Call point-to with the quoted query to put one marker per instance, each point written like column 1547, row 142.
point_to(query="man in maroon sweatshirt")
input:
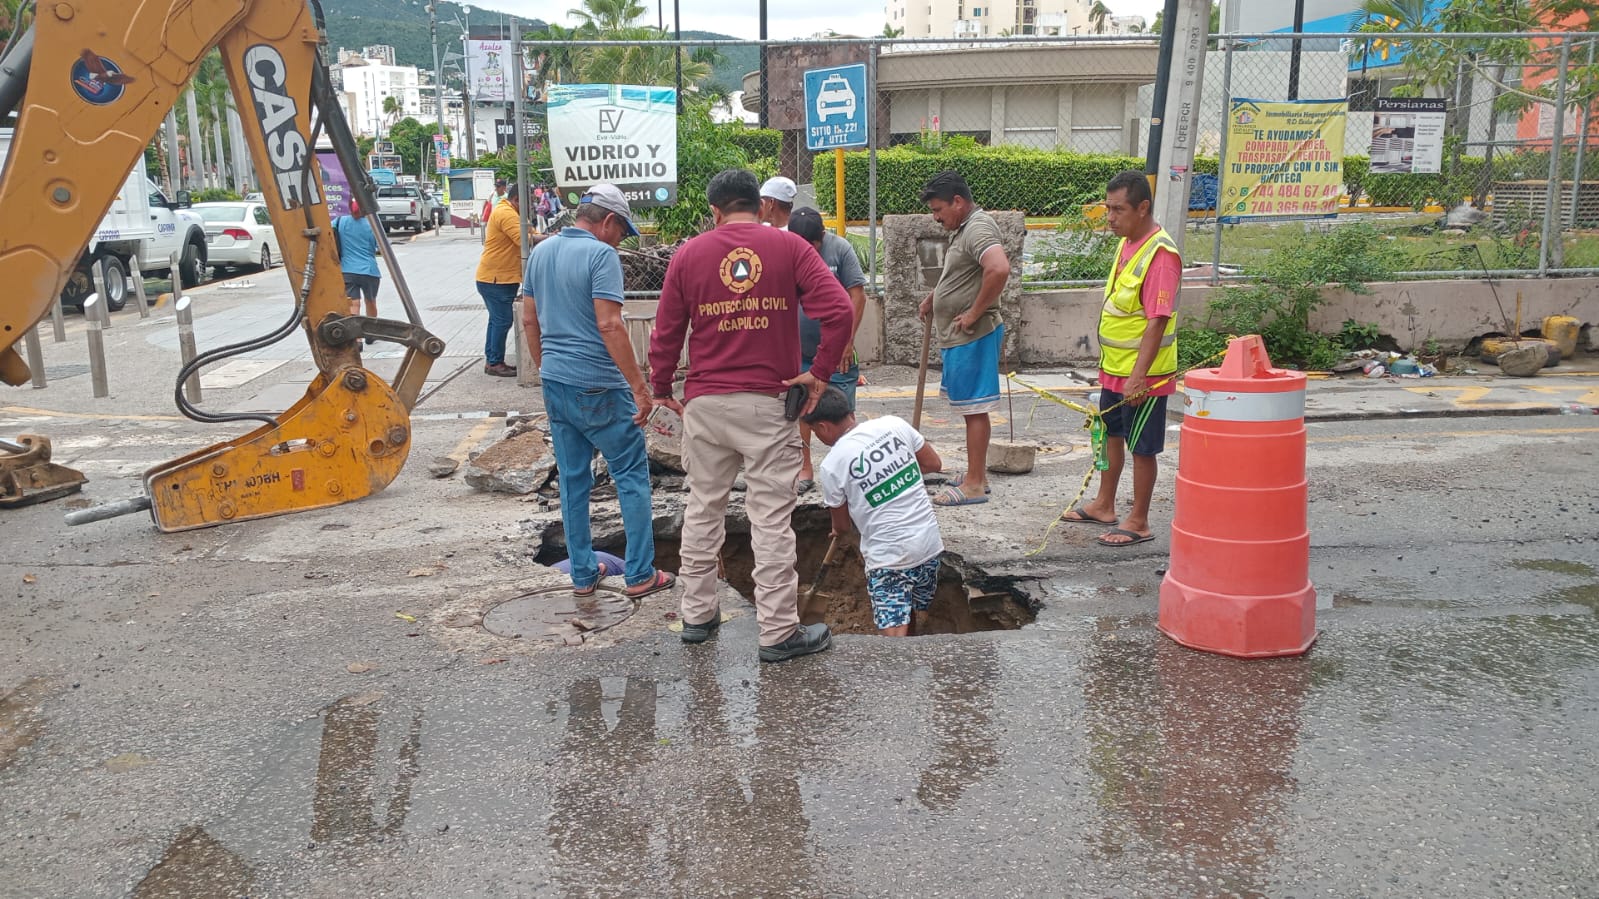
column 737, row 291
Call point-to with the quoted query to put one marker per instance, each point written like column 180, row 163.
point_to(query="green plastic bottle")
column 1096, row 439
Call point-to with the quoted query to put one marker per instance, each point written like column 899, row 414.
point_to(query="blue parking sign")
column 836, row 108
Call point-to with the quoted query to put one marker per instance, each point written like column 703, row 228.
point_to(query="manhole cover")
column 458, row 307
column 554, row 615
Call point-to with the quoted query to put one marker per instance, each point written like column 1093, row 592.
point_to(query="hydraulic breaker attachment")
column 27, row 475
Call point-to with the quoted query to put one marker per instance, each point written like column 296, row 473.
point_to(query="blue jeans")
column 498, row 297
column 582, row 420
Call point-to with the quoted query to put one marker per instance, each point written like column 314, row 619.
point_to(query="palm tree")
column 641, row 63
column 557, row 59
column 391, row 112
column 1099, row 17
column 890, row 31
column 607, row 16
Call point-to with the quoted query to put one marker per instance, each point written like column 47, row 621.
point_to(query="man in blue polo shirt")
column 594, row 394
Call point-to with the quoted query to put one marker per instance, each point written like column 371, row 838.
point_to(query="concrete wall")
column 913, row 256
column 1058, row 327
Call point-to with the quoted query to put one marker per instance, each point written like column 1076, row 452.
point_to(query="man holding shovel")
column 966, row 322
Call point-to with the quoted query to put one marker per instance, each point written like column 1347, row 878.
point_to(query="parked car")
column 434, row 212
column 239, row 234
column 401, row 206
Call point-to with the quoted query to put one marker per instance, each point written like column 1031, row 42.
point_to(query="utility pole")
column 1293, row 56
column 765, row 87
column 1190, row 30
column 677, row 35
column 438, row 70
column 1157, row 109
column 521, row 141
column 467, row 93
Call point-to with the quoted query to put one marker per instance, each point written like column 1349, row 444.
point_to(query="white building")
column 363, row 86
column 987, row 18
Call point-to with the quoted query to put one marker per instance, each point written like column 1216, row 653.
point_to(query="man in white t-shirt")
column 873, row 478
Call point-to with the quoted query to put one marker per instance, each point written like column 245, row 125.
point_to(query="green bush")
column 757, row 143
column 703, row 149
column 215, row 195
column 1080, row 249
column 1037, row 182
column 1286, row 288
column 1356, row 170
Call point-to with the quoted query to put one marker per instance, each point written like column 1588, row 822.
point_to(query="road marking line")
column 1432, row 435
column 87, row 416
column 473, row 437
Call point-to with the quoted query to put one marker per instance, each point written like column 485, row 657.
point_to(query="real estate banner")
column 621, row 134
column 1284, row 159
column 486, row 66
column 1407, row 135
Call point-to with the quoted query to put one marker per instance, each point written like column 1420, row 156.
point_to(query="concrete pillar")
column 1063, row 117
column 996, row 116
column 1129, row 116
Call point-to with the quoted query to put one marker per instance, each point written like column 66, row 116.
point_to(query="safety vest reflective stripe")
column 1122, row 322
column 1222, row 405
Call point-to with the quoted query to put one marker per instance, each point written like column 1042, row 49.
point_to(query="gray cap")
column 610, row 198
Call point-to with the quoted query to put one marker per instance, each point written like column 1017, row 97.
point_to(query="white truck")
column 144, row 224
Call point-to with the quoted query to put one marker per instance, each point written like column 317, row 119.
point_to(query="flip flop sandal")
column 1081, row 518
column 955, row 481
column 589, row 591
column 1137, row 538
column 952, row 496
column 662, row 581
column 805, row 485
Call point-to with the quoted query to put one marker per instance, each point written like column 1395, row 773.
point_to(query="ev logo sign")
column 836, row 107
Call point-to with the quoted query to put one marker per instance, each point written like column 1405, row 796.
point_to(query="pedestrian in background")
column 358, row 260
column 733, row 290
column 1137, row 357
column 967, row 325
column 594, row 395
column 777, row 201
column 499, row 272
column 839, row 256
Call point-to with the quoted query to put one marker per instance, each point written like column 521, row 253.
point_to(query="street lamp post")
column 468, row 95
column 438, row 70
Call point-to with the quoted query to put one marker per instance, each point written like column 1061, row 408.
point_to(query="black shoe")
column 699, row 633
column 807, row 639
column 371, row 340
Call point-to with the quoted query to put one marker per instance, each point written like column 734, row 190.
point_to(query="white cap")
column 780, row 189
column 609, row 197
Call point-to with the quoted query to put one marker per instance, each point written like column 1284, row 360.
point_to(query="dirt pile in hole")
column 958, row 607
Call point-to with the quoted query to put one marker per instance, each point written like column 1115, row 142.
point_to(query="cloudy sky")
column 787, row 18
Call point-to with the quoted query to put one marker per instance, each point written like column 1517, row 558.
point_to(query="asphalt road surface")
column 307, row 705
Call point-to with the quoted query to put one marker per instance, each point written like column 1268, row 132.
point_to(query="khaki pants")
column 720, row 431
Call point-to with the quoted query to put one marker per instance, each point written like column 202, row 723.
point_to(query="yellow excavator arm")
column 90, row 84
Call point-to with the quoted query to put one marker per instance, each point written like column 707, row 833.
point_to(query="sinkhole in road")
column 967, row 599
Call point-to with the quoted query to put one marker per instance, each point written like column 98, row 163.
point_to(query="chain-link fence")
column 1460, row 148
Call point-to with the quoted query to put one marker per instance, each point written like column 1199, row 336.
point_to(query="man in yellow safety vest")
column 1137, row 357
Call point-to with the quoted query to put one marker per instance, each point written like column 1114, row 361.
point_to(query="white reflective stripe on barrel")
column 1228, row 405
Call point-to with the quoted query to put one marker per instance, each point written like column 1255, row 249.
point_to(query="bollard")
column 191, row 384
column 177, row 280
column 58, row 321
column 35, row 359
column 1239, row 579
column 96, row 318
column 97, row 278
column 138, row 286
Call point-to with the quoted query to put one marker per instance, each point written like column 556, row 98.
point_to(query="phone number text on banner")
column 1285, row 159
column 622, row 134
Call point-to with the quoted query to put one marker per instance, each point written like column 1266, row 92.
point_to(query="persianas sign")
column 621, row 134
column 1284, row 159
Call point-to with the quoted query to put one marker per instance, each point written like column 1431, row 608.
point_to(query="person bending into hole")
column 872, row 477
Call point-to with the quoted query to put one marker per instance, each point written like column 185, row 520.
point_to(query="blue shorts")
column 845, row 381
column 1121, row 421
column 970, row 380
column 895, row 591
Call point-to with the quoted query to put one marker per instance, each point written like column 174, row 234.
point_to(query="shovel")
column 921, row 374
column 821, row 573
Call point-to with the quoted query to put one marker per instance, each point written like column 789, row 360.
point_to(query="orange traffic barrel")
column 1239, row 578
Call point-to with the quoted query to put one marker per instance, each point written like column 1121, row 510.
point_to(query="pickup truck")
column 403, row 206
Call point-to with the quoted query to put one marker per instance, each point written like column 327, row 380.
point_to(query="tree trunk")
column 1479, row 197
column 216, row 146
column 243, row 171
column 196, row 146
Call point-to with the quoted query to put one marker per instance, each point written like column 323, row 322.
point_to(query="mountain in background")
column 403, row 25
